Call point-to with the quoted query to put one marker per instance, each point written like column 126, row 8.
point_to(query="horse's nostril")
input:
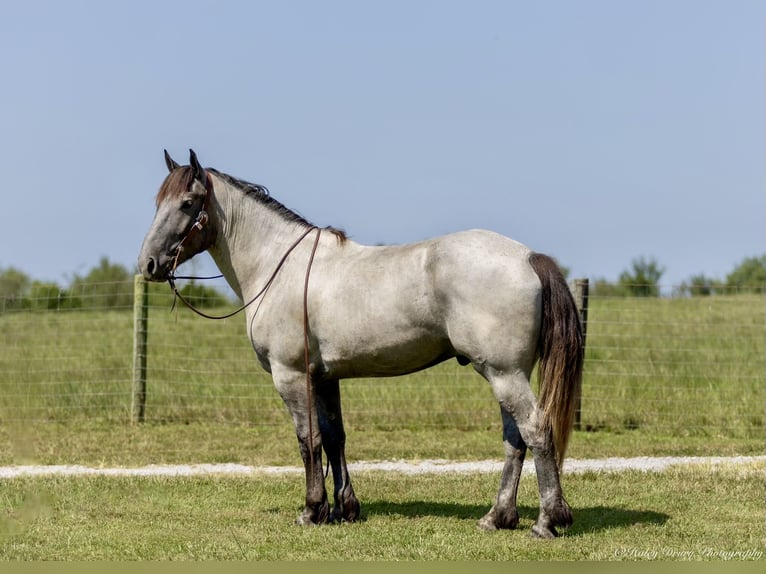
column 151, row 266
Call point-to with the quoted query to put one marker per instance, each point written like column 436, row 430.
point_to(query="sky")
column 598, row 132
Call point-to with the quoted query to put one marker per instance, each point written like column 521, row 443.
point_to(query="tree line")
column 107, row 286
column 643, row 279
column 110, row 286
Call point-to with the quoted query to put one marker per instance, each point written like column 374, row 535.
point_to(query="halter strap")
column 197, row 225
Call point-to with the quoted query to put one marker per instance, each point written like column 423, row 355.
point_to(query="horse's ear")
column 197, row 169
column 170, row 162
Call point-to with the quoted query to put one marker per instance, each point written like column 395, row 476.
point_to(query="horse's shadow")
column 587, row 520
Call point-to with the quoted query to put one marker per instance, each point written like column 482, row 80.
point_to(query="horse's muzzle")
column 153, row 269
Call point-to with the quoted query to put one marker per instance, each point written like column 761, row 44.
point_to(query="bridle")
column 172, row 280
column 196, row 227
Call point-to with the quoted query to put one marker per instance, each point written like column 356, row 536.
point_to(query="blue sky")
column 595, row 131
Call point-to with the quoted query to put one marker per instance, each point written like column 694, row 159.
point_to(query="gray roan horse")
column 383, row 311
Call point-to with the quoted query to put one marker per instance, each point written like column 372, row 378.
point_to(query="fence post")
column 140, row 332
column 581, row 288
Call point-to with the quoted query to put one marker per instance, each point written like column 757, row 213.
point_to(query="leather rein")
column 187, row 303
column 197, row 226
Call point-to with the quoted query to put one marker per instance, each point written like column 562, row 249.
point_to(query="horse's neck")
column 251, row 240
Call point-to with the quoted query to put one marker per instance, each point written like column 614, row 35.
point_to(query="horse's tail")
column 560, row 351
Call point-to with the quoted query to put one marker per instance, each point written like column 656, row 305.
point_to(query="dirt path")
column 646, row 464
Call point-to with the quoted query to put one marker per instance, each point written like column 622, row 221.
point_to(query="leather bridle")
column 172, row 280
column 196, row 227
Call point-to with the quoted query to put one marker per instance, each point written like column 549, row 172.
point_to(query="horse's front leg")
column 295, row 393
column 334, row 441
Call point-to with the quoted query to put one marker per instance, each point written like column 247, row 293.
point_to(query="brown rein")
column 197, row 226
column 177, row 293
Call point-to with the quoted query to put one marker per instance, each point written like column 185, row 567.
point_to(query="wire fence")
column 679, row 366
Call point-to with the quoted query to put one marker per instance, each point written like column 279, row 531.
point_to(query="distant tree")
column 108, row 285
column 600, row 287
column 701, row 285
column 106, row 272
column 750, row 275
column 50, row 296
column 643, row 278
column 13, row 285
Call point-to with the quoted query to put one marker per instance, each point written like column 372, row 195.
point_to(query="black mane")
column 261, row 194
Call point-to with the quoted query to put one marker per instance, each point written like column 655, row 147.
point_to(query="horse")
column 329, row 308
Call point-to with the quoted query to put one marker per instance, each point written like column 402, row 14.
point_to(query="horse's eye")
column 187, row 203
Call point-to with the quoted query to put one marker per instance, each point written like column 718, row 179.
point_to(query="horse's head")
column 179, row 230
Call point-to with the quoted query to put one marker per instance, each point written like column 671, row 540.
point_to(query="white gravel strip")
column 645, row 464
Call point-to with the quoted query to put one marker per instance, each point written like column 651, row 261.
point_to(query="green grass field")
column 662, row 377
column 681, row 514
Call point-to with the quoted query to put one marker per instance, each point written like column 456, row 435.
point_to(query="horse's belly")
column 386, row 357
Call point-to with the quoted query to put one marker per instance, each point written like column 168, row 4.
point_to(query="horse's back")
column 482, row 246
column 394, row 309
column 480, row 262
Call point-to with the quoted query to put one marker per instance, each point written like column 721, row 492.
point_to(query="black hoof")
column 546, row 533
column 499, row 520
column 314, row 516
column 349, row 511
column 558, row 515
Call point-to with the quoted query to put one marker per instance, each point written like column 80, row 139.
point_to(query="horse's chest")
column 261, row 352
column 264, row 361
column 286, row 349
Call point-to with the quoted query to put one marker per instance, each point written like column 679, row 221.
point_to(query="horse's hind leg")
column 518, row 402
column 503, row 513
column 554, row 510
column 334, row 442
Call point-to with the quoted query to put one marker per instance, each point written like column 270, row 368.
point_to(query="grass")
column 662, row 376
column 693, row 366
column 627, row 516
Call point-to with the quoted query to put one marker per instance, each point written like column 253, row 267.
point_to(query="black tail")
column 560, row 350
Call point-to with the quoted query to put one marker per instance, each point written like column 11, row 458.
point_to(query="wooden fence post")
column 140, row 332
column 581, row 288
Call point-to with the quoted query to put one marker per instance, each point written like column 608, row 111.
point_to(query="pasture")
column 662, row 377
column 686, row 513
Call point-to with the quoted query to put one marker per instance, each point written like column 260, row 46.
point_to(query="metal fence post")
column 140, row 333
column 581, row 288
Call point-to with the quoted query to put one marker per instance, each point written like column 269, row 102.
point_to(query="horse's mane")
column 180, row 179
column 261, row 194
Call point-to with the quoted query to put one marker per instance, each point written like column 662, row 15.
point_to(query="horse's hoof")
column 337, row 517
column 312, row 517
column 348, row 512
column 495, row 521
column 487, row 522
column 304, row 521
column 559, row 514
column 543, row 532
